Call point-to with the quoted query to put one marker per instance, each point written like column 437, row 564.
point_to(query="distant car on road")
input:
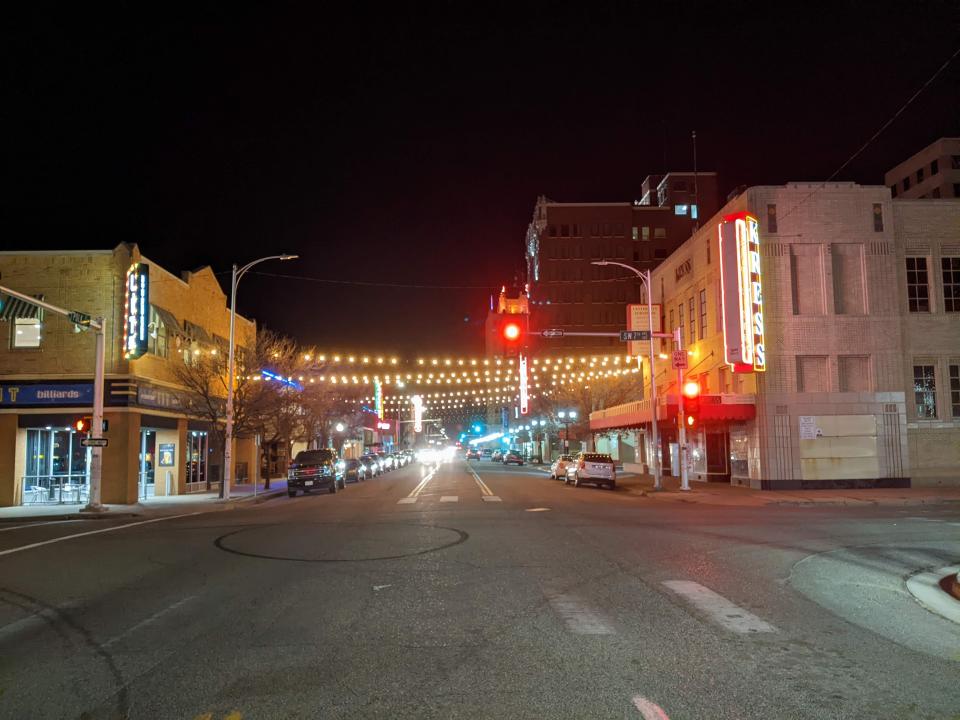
column 473, row 454
column 558, row 469
column 594, row 468
column 486, row 452
column 512, row 458
column 313, row 470
column 354, row 470
column 497, row 456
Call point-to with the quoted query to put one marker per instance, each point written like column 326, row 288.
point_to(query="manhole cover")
column 339, row 542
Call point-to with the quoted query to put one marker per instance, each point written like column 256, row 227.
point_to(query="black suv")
column 315, row 469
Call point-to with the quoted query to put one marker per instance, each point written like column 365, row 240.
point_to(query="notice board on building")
column 638, row 318
column 808, row 427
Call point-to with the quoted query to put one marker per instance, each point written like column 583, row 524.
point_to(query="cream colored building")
column 46, row 371
column 861, row 384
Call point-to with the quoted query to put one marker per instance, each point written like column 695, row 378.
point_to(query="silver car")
column 594, row 468
column 559, row 467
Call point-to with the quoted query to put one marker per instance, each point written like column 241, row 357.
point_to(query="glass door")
column 196, row 459
column 148, row 454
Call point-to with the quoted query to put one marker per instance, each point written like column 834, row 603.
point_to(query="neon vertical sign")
column 136, row 311
column 742, row 293
column 417, row 413
column 524, row 394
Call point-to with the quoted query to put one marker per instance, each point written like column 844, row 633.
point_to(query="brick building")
column 46, row 373
column 859, row 343
column 567, row 292
column 932, row 173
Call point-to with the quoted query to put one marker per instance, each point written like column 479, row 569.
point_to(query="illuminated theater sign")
column 136, row 311
column 742, row 293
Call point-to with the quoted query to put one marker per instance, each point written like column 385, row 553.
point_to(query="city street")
column 479, row 591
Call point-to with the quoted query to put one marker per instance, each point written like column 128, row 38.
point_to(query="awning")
column 713, row 408
column 169, row 321
column 197, row 333
column 13, row 307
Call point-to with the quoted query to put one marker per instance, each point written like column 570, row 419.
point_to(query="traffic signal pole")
column 81, row 320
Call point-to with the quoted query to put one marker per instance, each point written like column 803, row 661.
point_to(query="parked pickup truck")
column 315, row 470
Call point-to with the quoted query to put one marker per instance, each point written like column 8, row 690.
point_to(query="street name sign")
column 630, row 335
column 679, row 359
column 93, row 442
column 552, row 333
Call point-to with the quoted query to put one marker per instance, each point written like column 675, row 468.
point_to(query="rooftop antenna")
column 696, row 196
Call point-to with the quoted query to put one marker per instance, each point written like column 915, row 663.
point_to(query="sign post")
column 680, row 363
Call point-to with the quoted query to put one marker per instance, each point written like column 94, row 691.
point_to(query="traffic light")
column 511, row 332
column 691, row 404
column 83, row 425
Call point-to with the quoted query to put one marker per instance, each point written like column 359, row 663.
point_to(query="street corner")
column 938, row 591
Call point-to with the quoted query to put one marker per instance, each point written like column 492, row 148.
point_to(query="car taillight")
column 583, row 464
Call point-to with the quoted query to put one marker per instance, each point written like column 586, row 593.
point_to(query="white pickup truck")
column 595, row 468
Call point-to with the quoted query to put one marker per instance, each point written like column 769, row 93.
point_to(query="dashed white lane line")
column 94, row 532
column 147, row 621
column 718, row 608
column 649, row 710
column 42, row 523
column 449, row 498
column 406, row 501
column 491, row 498
column 44, row 616
column 578, row 616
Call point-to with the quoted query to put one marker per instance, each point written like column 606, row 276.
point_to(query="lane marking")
column 449, row 498
column 732, row 617
column 147, row 621
column 578, row 616
column 537, row 509
column 649, row 710
column 97, row 532
column 378, row 588
column 28, row 623
column 491, row 498
column 421, row 485
column 406, row 501
column 482, row 485
column 41, row 523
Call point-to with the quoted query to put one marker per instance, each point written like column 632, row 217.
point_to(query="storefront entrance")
column 148, row 464
column 56, row 467
column 718, row 455
column 196, row 457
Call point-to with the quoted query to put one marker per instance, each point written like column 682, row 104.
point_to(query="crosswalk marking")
column 722, row 611
column 490, row 498
column 406, row 501
column 577, row 615
column 449, row 498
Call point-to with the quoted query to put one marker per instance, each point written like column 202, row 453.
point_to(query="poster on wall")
column 808, row 428
column 166, row 454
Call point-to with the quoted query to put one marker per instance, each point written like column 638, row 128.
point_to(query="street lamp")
column 648, row 286
column 564, row 415
column 228, row 449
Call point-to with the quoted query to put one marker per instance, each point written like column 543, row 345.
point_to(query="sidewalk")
column 723, row 494
column 240, row 495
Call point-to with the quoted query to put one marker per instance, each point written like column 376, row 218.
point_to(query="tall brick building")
column 562, row 239
column 46, row 380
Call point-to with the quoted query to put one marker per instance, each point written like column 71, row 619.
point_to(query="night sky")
column 403, row 148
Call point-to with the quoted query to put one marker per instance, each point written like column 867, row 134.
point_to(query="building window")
column 771, row 218
column 893, row 190
column 157, row 337
column 576, row 230
column 671, row 321
column 956, row 190
column 951, row 283
column 877, row 217
column 934, row 167
column 925, row 391
column 955, row 390
column 849, row 297
column 694, row 213
column 703, row 314
column 636, row 233
column 906, row 184
column 812, row 374
column 919, row 176
column 854, row 371
column 680, row 314
column 636, row 255
column 659, row 233
column 918, row 291
column 693, row 321
column 659, row 253
column 681, row 209
column 552, row 231
column 564, row 231
column 26, row 332
column 955, row 162
column 806, row 276
column 645, row 232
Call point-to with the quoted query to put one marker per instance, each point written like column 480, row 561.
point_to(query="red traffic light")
column 691, row 389
column 691, row 404
column 511, row 331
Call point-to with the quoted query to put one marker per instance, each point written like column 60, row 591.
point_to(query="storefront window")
column 56, row 467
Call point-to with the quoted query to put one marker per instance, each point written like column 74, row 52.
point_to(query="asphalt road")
column 439, row 592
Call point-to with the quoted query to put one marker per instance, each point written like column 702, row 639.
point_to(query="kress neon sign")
column 742, row 293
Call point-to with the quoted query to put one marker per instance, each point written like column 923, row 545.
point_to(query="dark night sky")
column 411, row 148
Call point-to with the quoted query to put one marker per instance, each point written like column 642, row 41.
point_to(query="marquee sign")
column 136, row 311
column 741, row 293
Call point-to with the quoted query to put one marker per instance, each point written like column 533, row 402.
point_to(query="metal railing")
column 55, row 489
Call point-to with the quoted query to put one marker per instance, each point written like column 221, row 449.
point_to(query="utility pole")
column 84, row 321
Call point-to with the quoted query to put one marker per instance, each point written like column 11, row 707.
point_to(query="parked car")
column 373, row 465
column 313, row 470
column 399, row 459
column 497, row 456
column 559, row 467
column 595, row 468
column 512, row 457
column 354, row 470
column 473, row 454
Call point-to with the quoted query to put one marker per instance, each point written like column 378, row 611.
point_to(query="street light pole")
column 228, row 444
column 645, row 279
